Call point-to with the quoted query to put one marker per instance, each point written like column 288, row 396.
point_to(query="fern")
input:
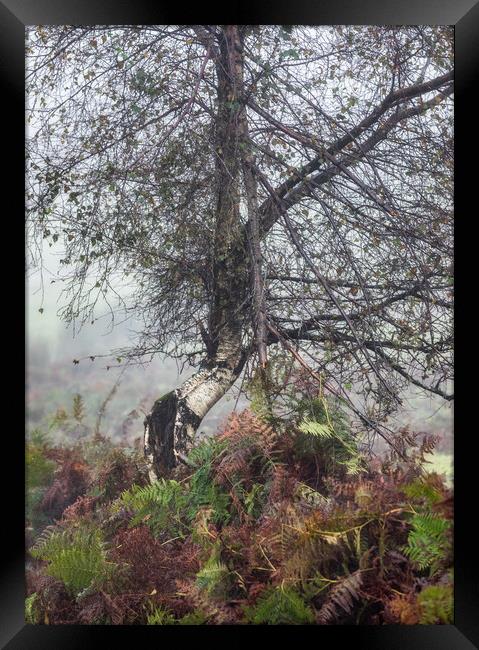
column 39, row 469
column 251, row 449
column 279, row 606
column 160, row 616
column 78, row 408
column 312, row 587
column 317, row 429
column 194, row 618
column 340, row 599
column 32, row 610
column 159, row 505
column 214, row 578
column 324, row 431
column 420, row 490
column 436, row 605
column 254, row 499
column 428, row 543
column 39, row 438
column 39, row 472
column 168, row 509
column 77, row 558
column 308, row 495
column 203, row 492
column 206, row 452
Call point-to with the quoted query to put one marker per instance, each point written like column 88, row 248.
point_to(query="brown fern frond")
column 71, row 481
column 341, row 599
column 250, row 444
column 403, row 609
column 234, row 462
column 283, row 484
column 82, row 507
column 44, row 536
column 217, row 613
column 247, row 427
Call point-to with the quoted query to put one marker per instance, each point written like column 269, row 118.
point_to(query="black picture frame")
column 464, row 15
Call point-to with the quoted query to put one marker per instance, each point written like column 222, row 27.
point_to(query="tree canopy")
column 256, row 187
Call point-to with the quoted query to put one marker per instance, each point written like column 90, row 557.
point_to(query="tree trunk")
column 175, row 417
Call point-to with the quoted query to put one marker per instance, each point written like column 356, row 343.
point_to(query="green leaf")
column 292, row 54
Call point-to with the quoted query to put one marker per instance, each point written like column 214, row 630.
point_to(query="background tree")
column 253, row 186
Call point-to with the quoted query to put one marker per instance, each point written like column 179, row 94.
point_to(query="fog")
column 53, row 378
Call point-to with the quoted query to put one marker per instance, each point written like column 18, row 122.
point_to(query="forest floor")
column 273, row 521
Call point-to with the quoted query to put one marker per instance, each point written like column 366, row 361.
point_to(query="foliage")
column 78, row 411
column 428, row 542
column 323, row 431
column 341, row 599
column 76, row 557
column 160, row 616
column 244, row 533
column 436, row 605
column 280, row 606
column 39, row 469
column 32, row 612
column 422, row 490
column 214, row 578
column 39, row 472
column 194, row 618
column 159, row 505
column 203, row 491
column 118, row 470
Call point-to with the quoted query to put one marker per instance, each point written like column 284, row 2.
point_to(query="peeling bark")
column 174, row 419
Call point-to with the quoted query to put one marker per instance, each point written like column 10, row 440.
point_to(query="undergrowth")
column 280, row 519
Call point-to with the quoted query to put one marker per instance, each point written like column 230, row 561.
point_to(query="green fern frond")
column 159, row 505
column 214, row 578
column 32, row 610
column 160, row 616
column 428, row 543
column 436, row 605
column 317, row 429
column 51, row 540
column 203, row 492
column 354, row 465
column 78, row 558
column 420, row 490
column 206, row 452
column 279, row 606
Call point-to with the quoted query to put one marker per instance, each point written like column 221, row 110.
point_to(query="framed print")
column 249, row 229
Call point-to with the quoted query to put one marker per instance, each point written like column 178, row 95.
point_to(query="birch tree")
column 254, row 187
